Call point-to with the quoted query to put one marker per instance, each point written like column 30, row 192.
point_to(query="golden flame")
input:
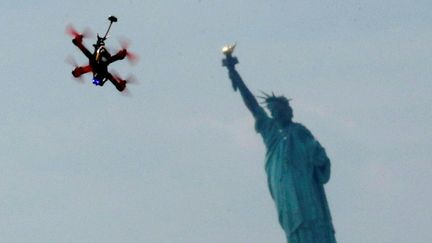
column 228, row 49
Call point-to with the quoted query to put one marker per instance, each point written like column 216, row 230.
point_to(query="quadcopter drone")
column 100, row 59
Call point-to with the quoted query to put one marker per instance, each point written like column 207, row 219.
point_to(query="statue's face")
column 281, row 111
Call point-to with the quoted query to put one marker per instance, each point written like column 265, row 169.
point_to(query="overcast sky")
column 178, row 160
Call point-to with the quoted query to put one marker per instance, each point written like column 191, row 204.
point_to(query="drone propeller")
column 70, row 30
column 129, row 80
column 132, row 57
column 70, row 60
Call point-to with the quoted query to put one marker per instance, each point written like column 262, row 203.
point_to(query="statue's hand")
column 229, row 60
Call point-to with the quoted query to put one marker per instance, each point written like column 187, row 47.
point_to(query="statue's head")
column 279, row 108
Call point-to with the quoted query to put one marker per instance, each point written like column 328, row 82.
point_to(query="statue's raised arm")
column 237, row 83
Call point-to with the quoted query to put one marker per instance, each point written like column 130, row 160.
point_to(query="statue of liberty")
column 296, row 164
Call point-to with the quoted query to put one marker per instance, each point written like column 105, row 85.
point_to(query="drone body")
column 100, row 59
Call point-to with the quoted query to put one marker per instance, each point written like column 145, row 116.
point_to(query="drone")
column 100, row 59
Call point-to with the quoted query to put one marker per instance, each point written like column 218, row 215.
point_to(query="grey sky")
column 179, row 160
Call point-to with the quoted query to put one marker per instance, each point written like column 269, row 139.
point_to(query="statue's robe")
column 297, row 167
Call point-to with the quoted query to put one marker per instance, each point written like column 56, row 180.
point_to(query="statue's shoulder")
column 298, row 126
column 301, row 131
column 264, row 124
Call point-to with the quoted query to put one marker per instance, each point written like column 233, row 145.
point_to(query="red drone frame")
column 100, row 58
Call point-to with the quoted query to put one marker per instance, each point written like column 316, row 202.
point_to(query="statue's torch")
column 229, row 61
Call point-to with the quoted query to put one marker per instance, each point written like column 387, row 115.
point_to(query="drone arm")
column 119, row 83
column 78, row 42
column 120, row 55
column 78, row 71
